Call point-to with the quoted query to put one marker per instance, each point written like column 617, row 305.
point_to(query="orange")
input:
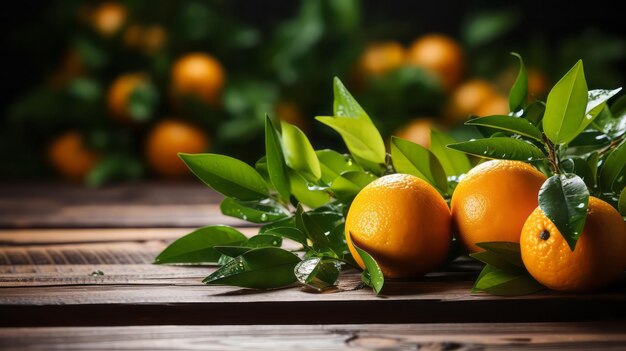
column 493, row 200
column 70, row 157
column 290, row 113
column 403, row 223
column 108, row 18
column 441, row 55
column 198, row 75
column 496, row 105
column 380, row 58
column 153, row 39
column 167, row 139
column 537, row 83
column 119, row 94
column 417, row 131
column 597, row 260
column 466, row 99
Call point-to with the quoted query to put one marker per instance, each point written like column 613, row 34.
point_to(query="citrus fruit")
column 108, row 18
column 69, row 156
column 403, row 223
column 496, row 105
column 537, row 83
column 119, row 94
column 598, row 257
column 198, row 75
column 493, row 200
column 380, row 58
column 153, row 39
column 467, row 98
column 417, row 131
column 167, row 139
column 290, row 112
column 439, row 54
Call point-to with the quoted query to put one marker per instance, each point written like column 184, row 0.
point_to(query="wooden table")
column 76, row 273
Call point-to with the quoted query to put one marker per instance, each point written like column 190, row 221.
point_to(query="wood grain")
column 475, row 336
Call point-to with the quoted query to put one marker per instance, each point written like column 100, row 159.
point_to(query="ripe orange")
column 441, row 55
column 597, row 260
column 493, row 200
column 401, row 221
column 108, row 18
column 417, row 131
column 120, row 91
column 290, row 113
column 380, row 58
column 496, row 105
column 167, row 139
column 467, row 99
column 199, row 75
column 70, row 157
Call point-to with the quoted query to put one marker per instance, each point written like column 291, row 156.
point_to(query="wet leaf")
column 253, row 211
column 414, row 159
column 197, row 247
column 519, row 91
column 501, row 148
column 510, row 124
column 275, row 160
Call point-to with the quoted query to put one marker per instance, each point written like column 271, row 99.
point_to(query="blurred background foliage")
column 102, row 91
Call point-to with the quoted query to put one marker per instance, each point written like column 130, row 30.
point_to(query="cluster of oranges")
column 445, row 59
column 407, row 226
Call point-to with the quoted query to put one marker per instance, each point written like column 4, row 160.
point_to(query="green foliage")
column 197, row 247
column 500, row 148
column 414, row 159
column 519, row 91
column 372, row 276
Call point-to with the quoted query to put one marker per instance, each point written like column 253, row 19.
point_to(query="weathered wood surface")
column 508, row 336
column 118, row 206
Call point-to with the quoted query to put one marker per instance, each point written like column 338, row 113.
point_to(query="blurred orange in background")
column 441, row 55
column 381, row 57
column 417, row 131
column 108, row 18
column 119, row 95
column 70, row 157
column 198, row 75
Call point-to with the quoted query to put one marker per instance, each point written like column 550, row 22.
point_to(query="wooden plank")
column 117, row 206
column 507, row 336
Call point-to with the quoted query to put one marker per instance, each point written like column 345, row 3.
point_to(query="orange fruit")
column 119, row 94
column 403, row 223
column 108, row 18
column 493, row 200
column 496, row 105
column 198, row 75
column 290, row 113
column 467, row 98
column 380, row 58
column 69, row 156
column 597, row 260
column 417, row 131
column 537, row 83
column 153, row 39
column 167, row 139
column 441, row 55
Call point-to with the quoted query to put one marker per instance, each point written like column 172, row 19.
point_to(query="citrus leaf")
column 264, row 240
column 317, row 273
column 593, row 161
column 503, row 148
column 566, row 106
column 414, row 159
column 276, row 167
column 508, row 251
column 261, row 268
column 290, row 233
column 311, row 229
column 375, row 278
column 232, row 251
column 285, row 222
column 500, row 282
column 349, row 184
column 301, row 191
column 197, row 246
column 511, row 124
column 333, row 164
column 613, row 171
column 586, row 142
column 227, row 175
column 519, row 91
column 253, row 211
column 596, row 102
column 564, row 199
column 454, row 163
column 344, row 105
column 534, row 112
column 580, row 167
column 299, row 154
column 622, row 203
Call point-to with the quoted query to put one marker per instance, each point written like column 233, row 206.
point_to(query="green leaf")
column 285, row 222
column 613, row 171
column 276, row 167
column 312, row 229
column 500, row 148
column 510, row 124
column 349, row 184
column 290, row 233
column 317, row 273
column 229, row 176
column 232, row 251
column 564, row 199
column 142, row 102
column 497, row 281
column 494, row 260
column 586, row 142
column 299, row 153
column 262, row 268
column 414, row 159
column 333, row 164
column 621, row 205
column 454, row 163
column 197, row 246
column 593, row 161
column 301, row 191
column 581, row 168
column 566, row 106
column 508, row 251
column 519, row 91
column 253, row 211
column 596, row 102
column 344, row 105
column 376, row 280
column 264, row 240
column 534, row 112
